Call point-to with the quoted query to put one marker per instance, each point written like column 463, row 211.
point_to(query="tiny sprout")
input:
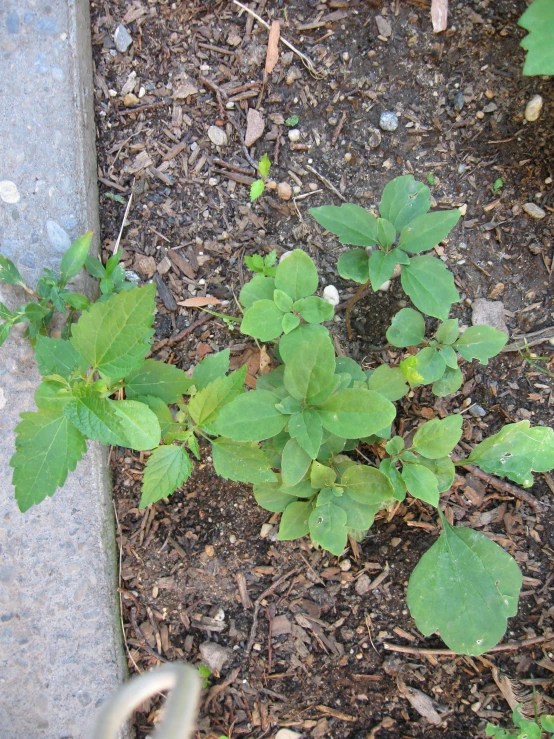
column 292, row 121
column 498, row 184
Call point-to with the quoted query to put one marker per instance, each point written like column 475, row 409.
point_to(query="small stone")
column 534, row 210
column 284, row 191
column 331, row 295
column 184, row 90
column 130, row 99
column 461, row 168
column 374, row 138
column 383, row 26
column 345, row 565
column 292, row 75
column 490, row 108
column 296, row 189
column 312, row 186
column 217, row 136
column 214, row 656
column 385, row 286
column 535, row 248
column 362, row 584
column 533, row 108
column 287, row 734
column 480, row 115
column 265, row 531
column 122, row 39
column 348, row 157
column 294, row 135
column 489, row 313
column 9, row 192
column 271, row 185
column 254, row 127
column 132, row 277
column 477, row 411
column 388, row 121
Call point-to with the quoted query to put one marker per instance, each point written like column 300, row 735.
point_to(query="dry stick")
column 326, row 182
column 338, row 129
column 232, row 167
column 351, row 304
column 140, row 635
column 138, row 108
column 186, row 331
column 123, row 223
column 258, row 602
column 306, row 61
column 448, row 652
column 241, row 139
column 500, row 485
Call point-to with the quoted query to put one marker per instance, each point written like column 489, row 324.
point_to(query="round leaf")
column 421, row 483
column 428, row 230
column 407, row 328
column 430, row 286
column 259, row 288
column 437, row 438
column 251, row 417
column 263, row 320
column 354, row 413
column 354, row 265
column 327, row 526
column 294, row 521
column 403, row 200
column 481, row 343
column 296, row 275
column 367, row 485
column 353, row 224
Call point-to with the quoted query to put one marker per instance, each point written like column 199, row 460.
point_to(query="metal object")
column 180, row 709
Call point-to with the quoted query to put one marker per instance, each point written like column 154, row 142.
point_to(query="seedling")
column 498, row 184
column 257, row 187
column 292, row 121
column 541, row 727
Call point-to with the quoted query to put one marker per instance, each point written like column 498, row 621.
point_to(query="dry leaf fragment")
column 199, row 302
column 254, row 127
column 421, row 702
column 515, row 693
column 272, row 56
column 439, row 15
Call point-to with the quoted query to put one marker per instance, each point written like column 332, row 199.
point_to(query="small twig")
column 188, row 330
column 140, row 636
column 138, row 108
column 328, row 185
column 338, row 129
column 522, row 341
column 512, row 647
column 306, row 61
column 219, row 93
column 116, row 247
column 257, row 604
column 241, row 139
column 232, row 167
column 351, row 303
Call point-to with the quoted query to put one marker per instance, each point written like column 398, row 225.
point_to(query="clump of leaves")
column 537, row 729
column 292, row 121
column 258, row 186
column 538, row 20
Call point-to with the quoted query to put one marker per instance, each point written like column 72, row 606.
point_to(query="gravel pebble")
column 534, row 210
column 294, row 135
column 533, row 108
column 388, row 121
column 122, row 39
column 217, row 136
column 284, row 191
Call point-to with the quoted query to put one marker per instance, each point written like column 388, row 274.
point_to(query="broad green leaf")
column 354, row 265
column 428, row 230
column 167, row 468
column 430, row 286
column 443, row 469
column 96, row 418
column 425, row 367
column 256, row 189
column 386, row 233
column 35, row 312
column 48, row 446
column 465, row 587
column 51, row 396
column 57, row 357
column 306, row 428
column 358, row 515
column 303, row 334
column 345, row 365
column 481, row 343
column 516, row 451
column 113, row 337
column 394, row 446
column 449, row 356
column 294, row 521
column 264, row 165
column 206, row 404
column 241, row 462
column 297, row 275
column 251, row 417
column 302, row 490
column 388, row 382
column 403, row 200
column 328, row 528
column 355, row 413
column 162, row 413
column 77, row 301
column 547, row 722
column 259, row 288
column 327, row 495
column 95, row 267
column 381, row 266
column 310, row 371
column 283, row 301
column 289, row 406
column 140, row 426
column 437, row 438
column 353, row 224
column 314, row 309
column 421, row 483
column 290, row 322
column 321, row 476
column 449, row 383
column 9, row 273
column 367, row 485
column 407, row 328
column 448, row 331
column 262, row 320
column 395, row 479
column 75, row 257
column 211, row 368
column 538, row 19
column 331, row 445
column 270, row 497
column 162, row 380
column 295, row 462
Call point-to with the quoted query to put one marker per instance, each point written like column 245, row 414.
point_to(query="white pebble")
column 330, row 294
column 9, row 192
column 296, row 189
column 265, row 530
column 534, row 210
column 533, row 108
column 345, row 565
column 385, row 286
column 294, row 135
column 284, row 255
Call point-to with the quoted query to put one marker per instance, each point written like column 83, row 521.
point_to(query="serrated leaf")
column 465, row 587
column 113, row 337
column 314, row 309
column 51, row 396
column 167, row 468
column 306, row 428
column 211, row 368
column 305, row 333
column 327, row 526
column 448, row 331
column 354, row 265
column 251, row 417
column 255, row 262
column 430, row 286
column 295, row 462
column 407, row 328
column 263, row 320
column 256, row 189
column 140, row 427
column 296, row 275
column 57, row 357
column 443, row 469
column 353, row 224
column 367, row 485
column 96, row 418
column 421, row 483
column 354, row 413
column 241, row 462
column 294, row 521
column 425, row 367
column 381, row 267
column 438, row 437
column 449, row 383
column 9, row 273
column 403, row 200
column 48, row 446
column 311, row 370
column 264, row 165
column 161, row 380
column 388, row 382
column 428, row 230
column 205, row 406
column 75, row 257
column 386, row 233
column 538, row 19
column 481, row 343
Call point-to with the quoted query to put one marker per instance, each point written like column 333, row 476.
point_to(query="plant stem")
column 350, row 305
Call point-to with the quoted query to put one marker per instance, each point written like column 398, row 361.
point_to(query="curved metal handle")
column 180, row 709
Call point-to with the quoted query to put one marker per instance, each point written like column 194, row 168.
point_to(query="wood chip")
column 200, row 302
column 272, row 56
column 439, row 15
column 254, row 127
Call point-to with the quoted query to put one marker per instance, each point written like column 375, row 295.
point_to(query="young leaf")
column 259, row 288
column 538, row 19
column 251, row 417
column 166, row 470
column 48, row 446
column 51, row 396
column 448, row 331
column 140, row 426
column 306, row 428
column 263, row 320
column 354, row 265
column 96, row 418
column 395, row 479
column 294, row 521
column 113, row 337
column 353, row 224
column 95, row 267
column 77, row 301
column 305, row 333
column 256, row 189
column 366, row 484
column 327, row 525
column 430, row 286
column 283, row 301
column 428, row 230
column 388, row 382
column 211, row 368
column 358, row 515
column 314, row 309
column 425, row 367
column 386, row 233
column 321, row 476
column 403, row 200
column 449, row 383
column 354, row 413
column 481, row 343
column 162, row 380
column 75, row 257
column 264, row 165
column 292, row 121
column 407, row 328
column 311, row 370
column 437, row 438
column 255, row 263
column 241, row 462
column 345, row 365
column 443, row 469
column 466, row 587
column 395, row 445
column 421, row 483
column 206, row 404
column 57, row 357
column 297, row 275
column 449, row 356
column 381, row 267
column 290, row 322
column 9, row 273
column 295, row 462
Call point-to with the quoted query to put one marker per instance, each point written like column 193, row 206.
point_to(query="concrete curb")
column 61, row 655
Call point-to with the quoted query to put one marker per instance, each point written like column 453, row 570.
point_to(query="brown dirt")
column 319, row 664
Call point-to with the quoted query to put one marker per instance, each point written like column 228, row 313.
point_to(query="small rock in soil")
column 477, row 411
column 292, row 75
column 254, row 127
column 284, row 191
column 362, row 584
column 374, row 138
column 217, row 136
column 287, row 734
column 214, row 656
column 294, row 135
column 489, row 313
column 122, row 39
column 331, row 295
column 534, row 210
column 383, row 26
column 388, row 121
column 533, row 108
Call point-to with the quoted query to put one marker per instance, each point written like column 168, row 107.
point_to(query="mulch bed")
column 305, row 640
